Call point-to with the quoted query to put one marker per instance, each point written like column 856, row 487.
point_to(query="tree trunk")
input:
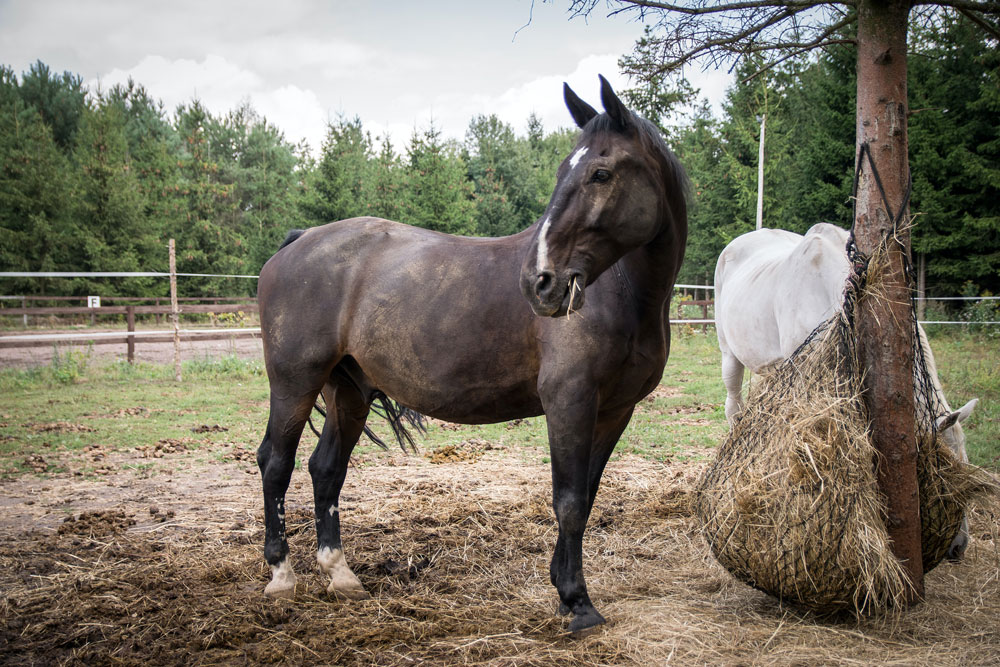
column 885, row 325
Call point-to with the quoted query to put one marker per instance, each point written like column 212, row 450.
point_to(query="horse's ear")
column 580, row 110
column 614, row 106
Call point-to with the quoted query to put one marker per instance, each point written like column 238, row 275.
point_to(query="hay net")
column 791, row 504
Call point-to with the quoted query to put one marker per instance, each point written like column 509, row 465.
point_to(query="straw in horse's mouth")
column 573, row 288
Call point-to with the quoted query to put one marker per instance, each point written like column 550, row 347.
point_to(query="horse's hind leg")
column 276, row 460
column 347, row 409
column 732, row 377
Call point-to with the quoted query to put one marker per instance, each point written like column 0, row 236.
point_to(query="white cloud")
column 712, row 85
column 218, row 83
column 223, row 86
column 303, row 113
column 296, row 112
column 452, row 111
column 544, row 95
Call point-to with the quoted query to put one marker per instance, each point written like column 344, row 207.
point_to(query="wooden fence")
column 129, row 336
column 189, row 306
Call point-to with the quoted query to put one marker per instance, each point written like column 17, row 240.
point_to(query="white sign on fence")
column 93, row 302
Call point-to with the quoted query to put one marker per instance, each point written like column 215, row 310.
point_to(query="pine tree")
column 37, row 232
column 384, row 188
column 208, row 239
column 154, row 151
column 336, row 188
column 110, row 207
column 955, row 155
column 498, row 177
column 711, row 203
column 438, row 196
column 60, row 100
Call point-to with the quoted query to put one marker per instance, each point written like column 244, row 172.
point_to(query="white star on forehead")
column 577, row 156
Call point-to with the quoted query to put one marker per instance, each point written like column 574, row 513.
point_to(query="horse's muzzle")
column 552, row 295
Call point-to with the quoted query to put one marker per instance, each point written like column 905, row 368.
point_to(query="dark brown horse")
column 365, row 307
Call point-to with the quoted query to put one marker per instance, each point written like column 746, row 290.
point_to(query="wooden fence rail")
column 129, row 336
column 192, row 309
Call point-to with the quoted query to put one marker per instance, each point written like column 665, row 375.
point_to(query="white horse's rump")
column 772, row 288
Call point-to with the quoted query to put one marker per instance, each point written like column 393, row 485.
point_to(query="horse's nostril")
column 544, row 283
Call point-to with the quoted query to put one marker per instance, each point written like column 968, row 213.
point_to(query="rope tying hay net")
column 791, row 505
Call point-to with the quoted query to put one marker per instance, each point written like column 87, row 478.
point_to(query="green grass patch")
column 969, row 367
column 73, row 406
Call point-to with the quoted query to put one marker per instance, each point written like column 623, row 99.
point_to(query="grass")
column 74, row 404
column 118, row 406
column 969, row 367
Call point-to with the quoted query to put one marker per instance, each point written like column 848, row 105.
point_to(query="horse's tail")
column 398, row 417
column 291, row 237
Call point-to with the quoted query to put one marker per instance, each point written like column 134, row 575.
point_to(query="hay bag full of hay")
column 791, row 505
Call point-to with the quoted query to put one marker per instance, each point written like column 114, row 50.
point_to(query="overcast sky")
column 396, row 63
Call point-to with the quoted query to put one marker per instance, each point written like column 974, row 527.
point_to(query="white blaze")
column 577, row 156
column 543, row 247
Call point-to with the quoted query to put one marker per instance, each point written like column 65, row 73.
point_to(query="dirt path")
column 159, row 353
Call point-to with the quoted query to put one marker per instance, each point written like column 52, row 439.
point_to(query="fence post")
column 175, row 312
column 24, row 304
column 130, row 323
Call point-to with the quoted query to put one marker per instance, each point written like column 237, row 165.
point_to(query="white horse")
column 772, row 288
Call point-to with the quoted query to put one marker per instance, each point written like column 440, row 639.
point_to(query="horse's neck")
column 652, row 269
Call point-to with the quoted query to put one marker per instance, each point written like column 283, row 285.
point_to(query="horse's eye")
column 601, row 176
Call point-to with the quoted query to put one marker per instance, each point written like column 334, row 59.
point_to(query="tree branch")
column 757, row 32
column 981, row 22
column 988, row 7
column 581, row 7
column 817, row 45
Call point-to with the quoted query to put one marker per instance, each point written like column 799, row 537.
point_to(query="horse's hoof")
column 282, row 584
column 563, row 609
column 351, row 593
column 279, row 590
column 583, row 624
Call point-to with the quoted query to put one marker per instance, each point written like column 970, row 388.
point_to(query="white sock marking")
column 329, row 559
column 342, row 579
column 542, row 262
column 282, row 582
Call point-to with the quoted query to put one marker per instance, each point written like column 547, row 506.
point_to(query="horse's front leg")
column 571, row 435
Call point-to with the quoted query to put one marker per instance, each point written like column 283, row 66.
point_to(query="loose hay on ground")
column 456, row 558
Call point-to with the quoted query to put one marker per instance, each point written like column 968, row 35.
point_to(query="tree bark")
column 885, row 324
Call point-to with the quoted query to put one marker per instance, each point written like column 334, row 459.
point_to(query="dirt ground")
column 162, row 565
column 157, row 353
column 154, row 557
